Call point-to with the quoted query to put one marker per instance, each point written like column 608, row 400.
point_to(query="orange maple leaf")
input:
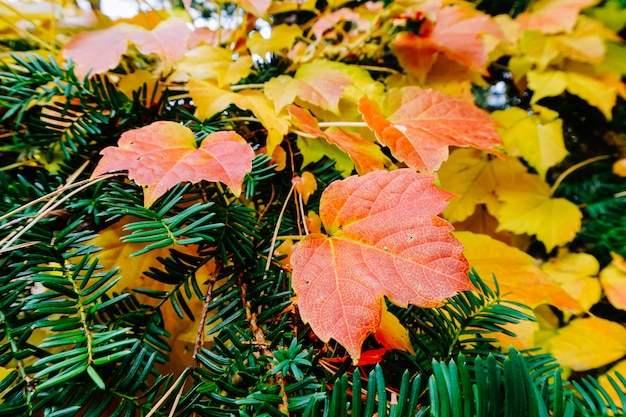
column 163, row 154
column 457, row 33
column 366, row 155
column 102, row 50
column 422, row 124
column 384, row 238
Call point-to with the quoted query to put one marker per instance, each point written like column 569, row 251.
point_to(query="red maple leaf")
column 421, row 124
column 383, row 239
column 164, row 154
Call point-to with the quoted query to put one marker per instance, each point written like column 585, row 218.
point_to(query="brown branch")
column 205, row 309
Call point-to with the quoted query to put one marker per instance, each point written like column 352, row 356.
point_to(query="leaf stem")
column 275, row 236
column 342, row 124
column 246, row 86
column 205, row 309
column 573, row 168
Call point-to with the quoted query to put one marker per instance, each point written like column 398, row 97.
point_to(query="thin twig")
column 573, row 168
column 44, row 213
column 275, row 236
column 205, row 309
column 165, row 396
column 69, row 183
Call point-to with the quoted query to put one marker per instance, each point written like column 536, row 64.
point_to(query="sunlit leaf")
column 383, row 239
column 519, row 277
column 577, row 274
column 588, row 343
column 536, row 136
column 164, row 154
column 420, row 125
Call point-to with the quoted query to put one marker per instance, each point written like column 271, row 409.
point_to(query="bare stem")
column 573, row 168
column 205, row 309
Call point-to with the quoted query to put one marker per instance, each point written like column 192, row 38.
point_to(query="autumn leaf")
column 212, row 62
column 86, row 58
column 535, row 135
column 599, row 92
column 458, row 33
column 613, row 279
column 115, row 253
column 163, row 154
column 256, row 7
column 577, row 345
column 321, row 84
column 168, row 40
column 475, row 179
column 282, row 37
column 518, row 276
column 383, row 239
column 211, row 99
column 366, row 155
column 528, row 207
column 419, row 125
column 305, row 185
column 577, row 274
column 553, row 16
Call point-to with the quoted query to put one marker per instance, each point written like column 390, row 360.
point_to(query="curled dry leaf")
column 383, row 238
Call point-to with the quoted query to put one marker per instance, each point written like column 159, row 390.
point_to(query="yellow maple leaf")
column 528, row 207
column 281, row 91
column 216, row 63
column 587, row 343
column 517, row 273
column 536, row 136
column 613, row 280
column 211, row 99
column 599, row 92
column 474, row 177
column 577, row 274
column 282, row 37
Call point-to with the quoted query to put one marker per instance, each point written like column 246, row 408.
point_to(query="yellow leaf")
column 595, row 91
column 282, row 37
column 210, row 99
column 577, row 274
column 536, row 136
column 322, row 84
column 546, row 84
column 537, row 47
column 613, row 280
column 314, row 149
column 391, row 333
column 132, row 82
column 474, row 177
column 517, row 273
column 529, row 208
column 305, row 185
column 599, row 92
column 115, row 253
column 275, row 122
column 612, row 14
column 588, row 343
column 213, row 62
column 281, row 91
